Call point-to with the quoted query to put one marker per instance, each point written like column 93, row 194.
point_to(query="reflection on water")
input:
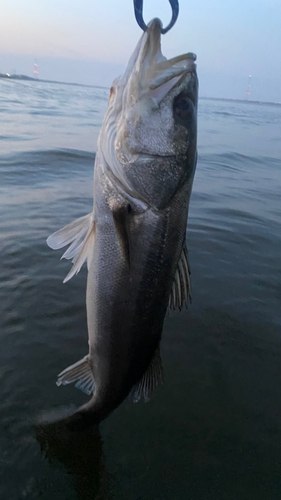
column 212, row 431
column 81, row 455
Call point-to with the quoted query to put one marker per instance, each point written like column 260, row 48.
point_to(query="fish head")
column 149, row 132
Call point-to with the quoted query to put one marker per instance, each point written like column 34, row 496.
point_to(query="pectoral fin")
column 181, row 289
column 80, row 233
column 120, row 213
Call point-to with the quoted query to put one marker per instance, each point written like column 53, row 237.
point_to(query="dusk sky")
column 90, row 41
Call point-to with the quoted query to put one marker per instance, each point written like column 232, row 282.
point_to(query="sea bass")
column 134, row 239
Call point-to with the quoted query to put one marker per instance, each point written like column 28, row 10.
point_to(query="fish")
column 134, row 240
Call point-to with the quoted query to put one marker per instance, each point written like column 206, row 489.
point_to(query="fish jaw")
column 140, row 122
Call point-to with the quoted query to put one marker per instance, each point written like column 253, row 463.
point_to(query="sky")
column 90, row 41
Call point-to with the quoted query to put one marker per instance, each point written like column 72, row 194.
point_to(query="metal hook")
column 138, row 6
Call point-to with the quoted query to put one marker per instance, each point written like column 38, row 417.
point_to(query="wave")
column 43, row 166
column 34, row 156
column 236, row 161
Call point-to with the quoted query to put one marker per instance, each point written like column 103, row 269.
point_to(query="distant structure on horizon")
column 248, row 89
column 35, row 69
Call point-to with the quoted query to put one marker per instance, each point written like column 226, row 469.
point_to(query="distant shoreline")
column 29, row 78
column 268, row 103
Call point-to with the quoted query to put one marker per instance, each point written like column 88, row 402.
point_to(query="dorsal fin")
column 181, row 289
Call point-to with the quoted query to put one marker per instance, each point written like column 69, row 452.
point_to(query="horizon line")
column 7, row 76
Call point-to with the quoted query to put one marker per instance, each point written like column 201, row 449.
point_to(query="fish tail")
column 82, row 419
column 67, row 420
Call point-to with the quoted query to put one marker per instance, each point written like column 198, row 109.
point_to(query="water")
column 213, row 430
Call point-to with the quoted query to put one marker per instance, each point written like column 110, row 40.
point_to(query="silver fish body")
column 134, row 240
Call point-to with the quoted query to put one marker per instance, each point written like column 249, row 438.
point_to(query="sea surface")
column 213, row 430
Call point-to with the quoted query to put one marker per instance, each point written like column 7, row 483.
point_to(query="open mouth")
column 159, row 74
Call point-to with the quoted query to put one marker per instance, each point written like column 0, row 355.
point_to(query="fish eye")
column 183, row 108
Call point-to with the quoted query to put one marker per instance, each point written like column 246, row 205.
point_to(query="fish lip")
column 149, row 50
column 149, row 53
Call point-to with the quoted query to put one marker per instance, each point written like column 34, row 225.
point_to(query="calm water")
column 213, row 430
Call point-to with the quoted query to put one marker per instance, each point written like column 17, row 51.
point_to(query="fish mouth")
column 148, row 79
column 149, row 73
column 157, row 74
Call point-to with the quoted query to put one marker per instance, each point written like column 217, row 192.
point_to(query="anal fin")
column 80, row 373
column 149, row 381
column 181, row 289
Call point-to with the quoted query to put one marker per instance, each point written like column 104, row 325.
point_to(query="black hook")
column 138, row 6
